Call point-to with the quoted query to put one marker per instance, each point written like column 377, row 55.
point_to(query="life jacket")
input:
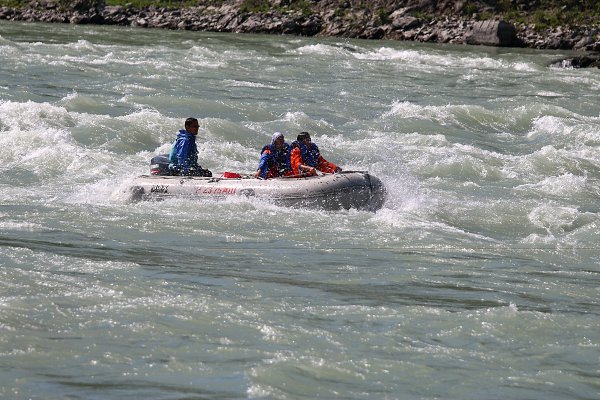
column 310, row 154
column 278, row 160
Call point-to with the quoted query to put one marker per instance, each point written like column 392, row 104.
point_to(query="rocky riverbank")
column 422, row 21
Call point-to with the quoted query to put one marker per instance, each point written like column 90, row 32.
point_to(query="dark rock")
column 6, row 12
column 372, row 33
column 587, row 61
column 311, row 26
column 584, row 42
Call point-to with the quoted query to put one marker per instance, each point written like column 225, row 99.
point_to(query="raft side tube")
column 345, row 190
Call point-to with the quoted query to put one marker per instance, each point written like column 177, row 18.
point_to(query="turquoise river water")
column 478, row 279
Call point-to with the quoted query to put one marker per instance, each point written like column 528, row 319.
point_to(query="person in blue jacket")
column 274, row 158
column 183, row 159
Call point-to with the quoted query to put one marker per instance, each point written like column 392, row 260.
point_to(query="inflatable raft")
column 345, row 190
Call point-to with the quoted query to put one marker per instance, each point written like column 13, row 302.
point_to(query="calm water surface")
column 478, row 279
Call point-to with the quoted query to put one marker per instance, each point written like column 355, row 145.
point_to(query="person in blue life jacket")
column 183, row 159
column 306, row 159
column 274, row 158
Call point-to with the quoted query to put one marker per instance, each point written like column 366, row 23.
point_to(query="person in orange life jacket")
column 306, row 159
column 183, row 159
column 274, row 159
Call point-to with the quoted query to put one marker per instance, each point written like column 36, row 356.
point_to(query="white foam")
column 563, row 185
column 321, row 49
column 405, row 109
column 20, row 226
column 435, row 60
column 564, row 226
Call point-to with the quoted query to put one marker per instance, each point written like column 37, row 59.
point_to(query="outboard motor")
column 159, row 165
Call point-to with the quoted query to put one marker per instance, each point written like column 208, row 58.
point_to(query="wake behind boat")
column 345, row 190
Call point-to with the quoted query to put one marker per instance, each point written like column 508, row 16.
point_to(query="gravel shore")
column 421, row 21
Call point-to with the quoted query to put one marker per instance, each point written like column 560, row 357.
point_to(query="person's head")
column 191, row 125
column 303, row 137
column 277, row 140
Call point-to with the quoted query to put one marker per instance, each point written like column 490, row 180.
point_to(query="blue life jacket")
column 276, row 160
column 310, row 154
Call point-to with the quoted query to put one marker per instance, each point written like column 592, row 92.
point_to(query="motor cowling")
column 159, row 165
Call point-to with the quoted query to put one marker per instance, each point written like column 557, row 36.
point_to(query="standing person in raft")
column 306, row 159
column 274, row 159
column 183, row 159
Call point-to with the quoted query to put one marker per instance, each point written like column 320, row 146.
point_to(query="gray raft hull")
column 349, row 189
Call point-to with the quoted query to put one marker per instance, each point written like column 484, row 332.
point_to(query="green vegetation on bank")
column 259, row 6
column 169, row 4
column 542, row 13
column 256, row 6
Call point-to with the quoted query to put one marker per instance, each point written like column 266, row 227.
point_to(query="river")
column 478, row 279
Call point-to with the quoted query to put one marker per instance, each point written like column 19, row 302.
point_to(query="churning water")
column 478, row 279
